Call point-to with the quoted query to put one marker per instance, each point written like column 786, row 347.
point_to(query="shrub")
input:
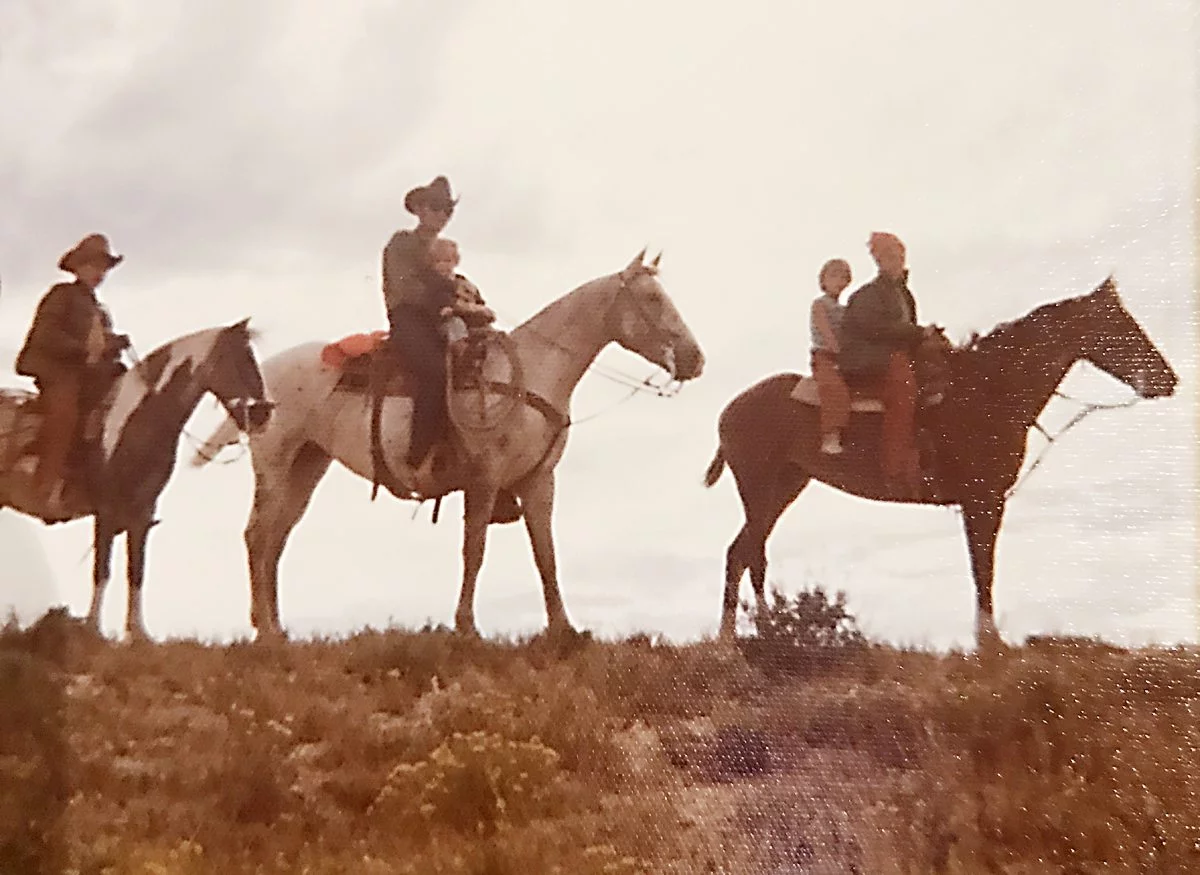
column 802, row 636
column 472, row 783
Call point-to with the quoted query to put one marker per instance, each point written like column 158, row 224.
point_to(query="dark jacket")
column 58, row 339
column 408, row 278
column 880, row 318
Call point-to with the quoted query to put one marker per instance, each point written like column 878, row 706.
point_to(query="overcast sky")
column 251, row 158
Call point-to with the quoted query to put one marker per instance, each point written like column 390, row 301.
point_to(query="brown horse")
column 973, row 435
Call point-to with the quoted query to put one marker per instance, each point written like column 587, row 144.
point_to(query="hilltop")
column 422, row 752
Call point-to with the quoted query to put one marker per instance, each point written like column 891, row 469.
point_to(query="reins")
column 1086, row 410
column 669, row 389
column 197, row 444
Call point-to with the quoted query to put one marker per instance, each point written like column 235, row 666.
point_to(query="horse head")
column 645, row 321
column 1114, row 342
column 231, row 372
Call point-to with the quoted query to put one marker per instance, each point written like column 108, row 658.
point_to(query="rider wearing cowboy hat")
column 414, row 303
column 415, row 298
column 72, row 354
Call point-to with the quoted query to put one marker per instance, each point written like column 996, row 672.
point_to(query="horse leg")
column 537, row 499
column 735, row 568
column 764, row 500
column 280, row 500
column 135, row 572
column 785, row 490
column 102, row 544
column 982, row 522
column 478, row 503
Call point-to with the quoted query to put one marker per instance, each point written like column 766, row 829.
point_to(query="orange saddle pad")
column 352, row 346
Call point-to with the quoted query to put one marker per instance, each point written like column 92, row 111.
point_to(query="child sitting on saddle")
column 467, row 313
column 467, row 309
column 825, row 324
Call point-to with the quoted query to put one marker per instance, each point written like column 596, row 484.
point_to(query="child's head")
column 443, row 256
column 835, row 276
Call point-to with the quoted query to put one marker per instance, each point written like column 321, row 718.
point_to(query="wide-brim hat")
column 92, row 249
column 436, row 194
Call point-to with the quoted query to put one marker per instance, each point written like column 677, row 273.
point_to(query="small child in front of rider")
column 468, row 308
column 825, row 324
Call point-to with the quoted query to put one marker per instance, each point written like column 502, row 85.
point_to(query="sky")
column 251, row 160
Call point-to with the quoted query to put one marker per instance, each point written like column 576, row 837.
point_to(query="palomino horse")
column 140, row 422
column 317, row 421
column 996, row 387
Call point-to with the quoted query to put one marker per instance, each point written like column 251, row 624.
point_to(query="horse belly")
column 344, row 431
column 858, row 469
column 511, row 453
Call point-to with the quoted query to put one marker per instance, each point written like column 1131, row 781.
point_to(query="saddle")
column 369, row 368
column 20, row 423
column 20, row 419
column 367, row 365
column 865, row 396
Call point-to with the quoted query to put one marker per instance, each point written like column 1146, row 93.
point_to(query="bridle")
column 240, row 408
column 625, row 301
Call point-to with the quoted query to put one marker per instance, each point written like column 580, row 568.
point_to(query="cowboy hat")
column 91, row 249
column 437, row 194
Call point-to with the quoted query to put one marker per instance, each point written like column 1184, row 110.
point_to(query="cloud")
column 222, row 133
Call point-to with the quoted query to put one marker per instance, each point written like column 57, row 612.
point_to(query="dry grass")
column 422, row 752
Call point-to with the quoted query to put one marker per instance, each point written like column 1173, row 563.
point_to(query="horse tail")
column 715, row 468
column 225, row 434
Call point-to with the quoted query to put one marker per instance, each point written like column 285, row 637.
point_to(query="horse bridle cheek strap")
column 625, row 292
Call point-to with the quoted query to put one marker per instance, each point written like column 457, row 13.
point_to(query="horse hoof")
column 565, row 631
column 270, row 636
column 466, row 628
column 992, row 645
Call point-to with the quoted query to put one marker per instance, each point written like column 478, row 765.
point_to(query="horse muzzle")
column 686, row 363
column 1154, row 385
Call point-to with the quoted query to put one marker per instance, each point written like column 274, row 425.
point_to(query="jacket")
column 880, row 318
column 71, row 332
column 407, row 277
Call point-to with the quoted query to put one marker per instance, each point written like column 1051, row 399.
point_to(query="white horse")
column 316, row 421
column 133, row 453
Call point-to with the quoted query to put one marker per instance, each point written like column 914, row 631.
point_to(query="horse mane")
column 650, row 269
column 1003, row 333
column 579, row 289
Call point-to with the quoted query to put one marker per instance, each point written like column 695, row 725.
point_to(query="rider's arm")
column 872, row 318
column 51, row 318
column 402, row 261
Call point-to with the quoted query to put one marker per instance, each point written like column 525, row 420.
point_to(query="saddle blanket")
column 352, row 346
column 805, row 392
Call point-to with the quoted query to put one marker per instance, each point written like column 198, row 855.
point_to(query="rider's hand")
column 446, row 311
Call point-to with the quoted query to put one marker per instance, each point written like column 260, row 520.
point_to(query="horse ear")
column 657, row 258
column 637, row 260
column 1108, row 287
column 244, row 327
